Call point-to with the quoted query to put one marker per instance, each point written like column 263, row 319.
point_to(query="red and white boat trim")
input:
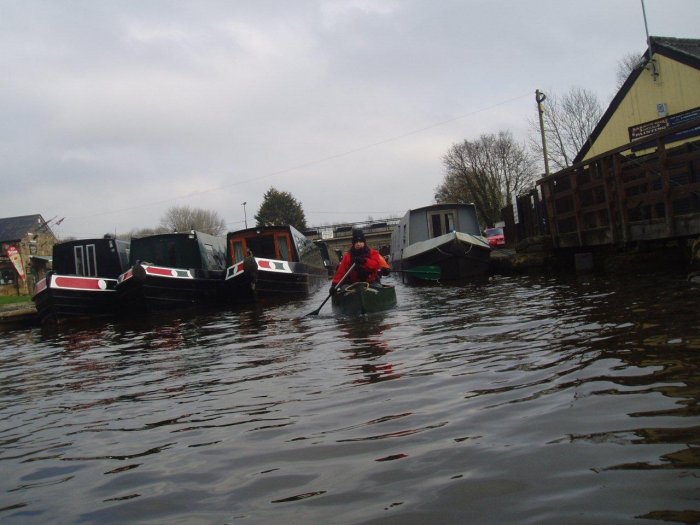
column 75, row 282
column 158, row 271
column 266, row 265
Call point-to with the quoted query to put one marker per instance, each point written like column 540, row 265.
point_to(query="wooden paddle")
column 315, row 312
column 426, row 273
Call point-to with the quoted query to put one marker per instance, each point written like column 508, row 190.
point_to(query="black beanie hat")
column 358, row 235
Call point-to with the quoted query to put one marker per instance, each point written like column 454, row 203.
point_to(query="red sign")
column 16, row 259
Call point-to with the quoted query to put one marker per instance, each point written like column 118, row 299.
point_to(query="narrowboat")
column 362, row 298
column 444, row 235
column 272, row 263
column 173, row 270
column 82, row 281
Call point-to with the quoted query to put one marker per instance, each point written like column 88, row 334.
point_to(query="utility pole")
column 245, row 217
column 652, row 64
column 540, row 97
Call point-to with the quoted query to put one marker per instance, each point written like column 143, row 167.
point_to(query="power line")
column 312, row 162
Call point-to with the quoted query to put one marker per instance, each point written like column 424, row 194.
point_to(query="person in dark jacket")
column 369, row 264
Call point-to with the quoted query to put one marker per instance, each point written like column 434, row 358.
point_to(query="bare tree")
column 142, row 232
column 489, row 172
column 184, row 219
column 568, row 123
column 625, row 66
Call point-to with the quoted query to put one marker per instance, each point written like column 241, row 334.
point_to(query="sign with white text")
column 653, row 126
column 16, row 259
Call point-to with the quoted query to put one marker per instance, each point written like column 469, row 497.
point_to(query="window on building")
column 8, row 275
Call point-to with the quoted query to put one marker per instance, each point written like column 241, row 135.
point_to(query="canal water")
column 524, row 400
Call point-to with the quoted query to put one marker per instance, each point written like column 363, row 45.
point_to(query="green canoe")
column 361, row 298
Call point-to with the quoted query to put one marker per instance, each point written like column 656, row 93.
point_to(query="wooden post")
column 665, row 177
column 621, row 198
column 609, row 202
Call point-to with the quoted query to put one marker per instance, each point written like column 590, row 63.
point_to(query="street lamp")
column 245, row 217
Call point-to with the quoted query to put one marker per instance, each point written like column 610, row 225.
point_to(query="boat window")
column 174, row 251
column 236, row 251
column 79, row 258
column 282, row 247
column 90, row 261
column 435, row 225
column 442, row 223
column 263, row 246
column 211, row 261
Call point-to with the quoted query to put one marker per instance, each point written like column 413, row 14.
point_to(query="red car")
column 495, row 237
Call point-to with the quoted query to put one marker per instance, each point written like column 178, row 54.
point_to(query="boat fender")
column 138, row 271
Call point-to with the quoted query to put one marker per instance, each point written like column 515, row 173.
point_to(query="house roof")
column 15, row 228
column 683, row 50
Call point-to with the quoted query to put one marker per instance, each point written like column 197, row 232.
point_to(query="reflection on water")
column 521, row 400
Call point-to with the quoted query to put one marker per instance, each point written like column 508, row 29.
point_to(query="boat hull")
column 361, row 299
column 255, row 279
column 61, row 297
column 152, row 288
column 460, row 257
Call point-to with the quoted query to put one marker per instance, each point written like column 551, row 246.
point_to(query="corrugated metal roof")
column 686, row 46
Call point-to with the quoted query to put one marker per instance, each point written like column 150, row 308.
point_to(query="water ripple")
column 522, row 400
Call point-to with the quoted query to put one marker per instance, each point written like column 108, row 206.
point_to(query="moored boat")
column 272, row 263
column 173, row 270
column 362, row 298
column 330, row 258
column 82, row 283
column 443, row 235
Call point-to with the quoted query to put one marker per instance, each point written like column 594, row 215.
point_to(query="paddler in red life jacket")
column 369, row 264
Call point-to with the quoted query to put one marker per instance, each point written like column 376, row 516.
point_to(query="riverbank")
column 534, row 256
column 21, row 312
column 537, row 255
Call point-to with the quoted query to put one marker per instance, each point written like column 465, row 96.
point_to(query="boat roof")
column 442, row 206
column 257, row 230
column 96, row 240
column 99, row 241
column 196, row 234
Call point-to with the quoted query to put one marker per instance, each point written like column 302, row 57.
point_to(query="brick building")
column 26, row 246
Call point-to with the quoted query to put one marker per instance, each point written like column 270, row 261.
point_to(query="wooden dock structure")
column 618, row 198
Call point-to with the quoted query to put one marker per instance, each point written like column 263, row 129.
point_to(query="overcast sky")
column 114, row 111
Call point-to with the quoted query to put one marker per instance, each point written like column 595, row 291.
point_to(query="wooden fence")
column 618, row 198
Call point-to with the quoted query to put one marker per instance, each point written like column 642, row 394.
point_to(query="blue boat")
column 444, row 235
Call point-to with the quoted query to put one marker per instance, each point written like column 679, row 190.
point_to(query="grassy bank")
column 14, row 299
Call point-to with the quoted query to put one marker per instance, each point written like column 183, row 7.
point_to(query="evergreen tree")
column 280, row 208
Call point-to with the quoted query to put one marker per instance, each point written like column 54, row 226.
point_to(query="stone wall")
column 37, row 244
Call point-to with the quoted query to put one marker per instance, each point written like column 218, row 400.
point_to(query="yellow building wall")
column 677, row 85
